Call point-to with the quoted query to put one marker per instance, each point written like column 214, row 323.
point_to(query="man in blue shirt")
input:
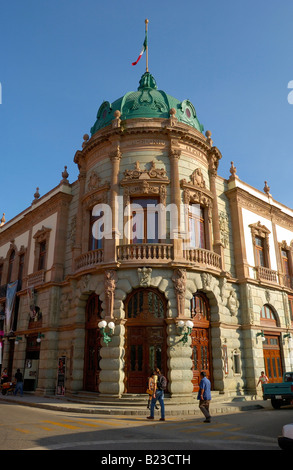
column 204, row 397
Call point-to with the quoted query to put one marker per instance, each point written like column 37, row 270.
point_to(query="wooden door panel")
column 145, row 345
column 92, row 344
column 273, row 365
column 92, row 360
column 136, row 359
column 200, row 355
column 145, row 351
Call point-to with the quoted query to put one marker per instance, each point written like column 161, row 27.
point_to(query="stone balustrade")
column 36, row 278
column 202, row 257
column 266, row 274
column 150, row 252
column 89, row 259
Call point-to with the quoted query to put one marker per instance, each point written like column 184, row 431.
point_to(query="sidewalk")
column 232, row 405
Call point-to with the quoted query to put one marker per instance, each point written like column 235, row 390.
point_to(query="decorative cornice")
column 260, row 207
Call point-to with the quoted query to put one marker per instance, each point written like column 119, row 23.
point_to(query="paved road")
column 38, row 429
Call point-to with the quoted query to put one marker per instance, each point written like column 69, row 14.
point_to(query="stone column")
column 174, row 156
column 76, row 251
column 213, row 159
column 111, row 240
column 57, row 273
column 179, row 281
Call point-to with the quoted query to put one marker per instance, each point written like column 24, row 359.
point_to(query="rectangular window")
column 196, row 226
column 286, row 268
column 96, row 232
column 20, row 270
column 42, row 255
column 260, row 252
column 145, row 220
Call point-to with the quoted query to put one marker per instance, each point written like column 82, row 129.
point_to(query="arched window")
column 145, row 302
column 267, row 316
column 199, row 307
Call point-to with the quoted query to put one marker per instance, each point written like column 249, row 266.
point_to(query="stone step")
column 140, row 400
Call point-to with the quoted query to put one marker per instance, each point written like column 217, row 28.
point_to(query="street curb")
column 216, row 409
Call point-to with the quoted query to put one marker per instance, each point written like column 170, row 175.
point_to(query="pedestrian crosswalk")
column 59, row 431
column 184, row 427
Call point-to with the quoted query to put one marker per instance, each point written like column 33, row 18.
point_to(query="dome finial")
column 147, row 81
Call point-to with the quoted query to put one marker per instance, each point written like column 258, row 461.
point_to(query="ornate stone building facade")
column 78, row 256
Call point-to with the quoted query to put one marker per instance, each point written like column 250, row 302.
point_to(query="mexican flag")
column 145, row 43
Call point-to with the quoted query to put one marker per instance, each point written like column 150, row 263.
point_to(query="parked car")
column 280, row 394
column 286, row 440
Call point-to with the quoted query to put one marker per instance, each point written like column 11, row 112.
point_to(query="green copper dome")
column 146, row 102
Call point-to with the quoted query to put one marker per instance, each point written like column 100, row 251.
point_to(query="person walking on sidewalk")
column 204, row 396
column 160, row 386
column 19, row 383
column 262, row 379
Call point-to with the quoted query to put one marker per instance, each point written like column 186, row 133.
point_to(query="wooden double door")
column 92, row 355
column 200, row 339
column 145, row 338
column 200, row 355
column 146, row 350
column 272, row 358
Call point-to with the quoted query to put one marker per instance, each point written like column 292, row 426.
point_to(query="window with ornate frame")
column 286, row 261
column 10, row 266
column 260, row 239
column 97, row 224
column 96, row 193
column 20, row 268
column 144, row 186
column 198, row 218
column 144, row 228
column 41, row 238
column 196, row 226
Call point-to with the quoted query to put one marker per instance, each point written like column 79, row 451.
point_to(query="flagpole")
column 147, row 49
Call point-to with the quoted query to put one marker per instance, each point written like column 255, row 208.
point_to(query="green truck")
column 280, row 394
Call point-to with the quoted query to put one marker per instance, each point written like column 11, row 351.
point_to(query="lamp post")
column 39, row 338
column 262, row 336
column 111, row 326
column 181, row 325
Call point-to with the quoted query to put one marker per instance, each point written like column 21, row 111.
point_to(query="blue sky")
column 59, row 60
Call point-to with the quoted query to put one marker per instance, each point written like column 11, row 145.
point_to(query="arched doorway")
column 271, row 345
column 92, row 344
column 200, row 338
column 145, row 337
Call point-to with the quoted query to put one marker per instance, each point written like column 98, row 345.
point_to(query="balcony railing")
column 161, row 253
column 150, row 252
column 203, row 257
column 266, row 274
column 89, row 259
column 36, row 278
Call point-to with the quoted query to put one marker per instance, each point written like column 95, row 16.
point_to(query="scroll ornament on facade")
column 179, row 281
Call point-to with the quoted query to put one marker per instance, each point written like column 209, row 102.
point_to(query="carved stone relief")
column 144, row 276
column 179, row 281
